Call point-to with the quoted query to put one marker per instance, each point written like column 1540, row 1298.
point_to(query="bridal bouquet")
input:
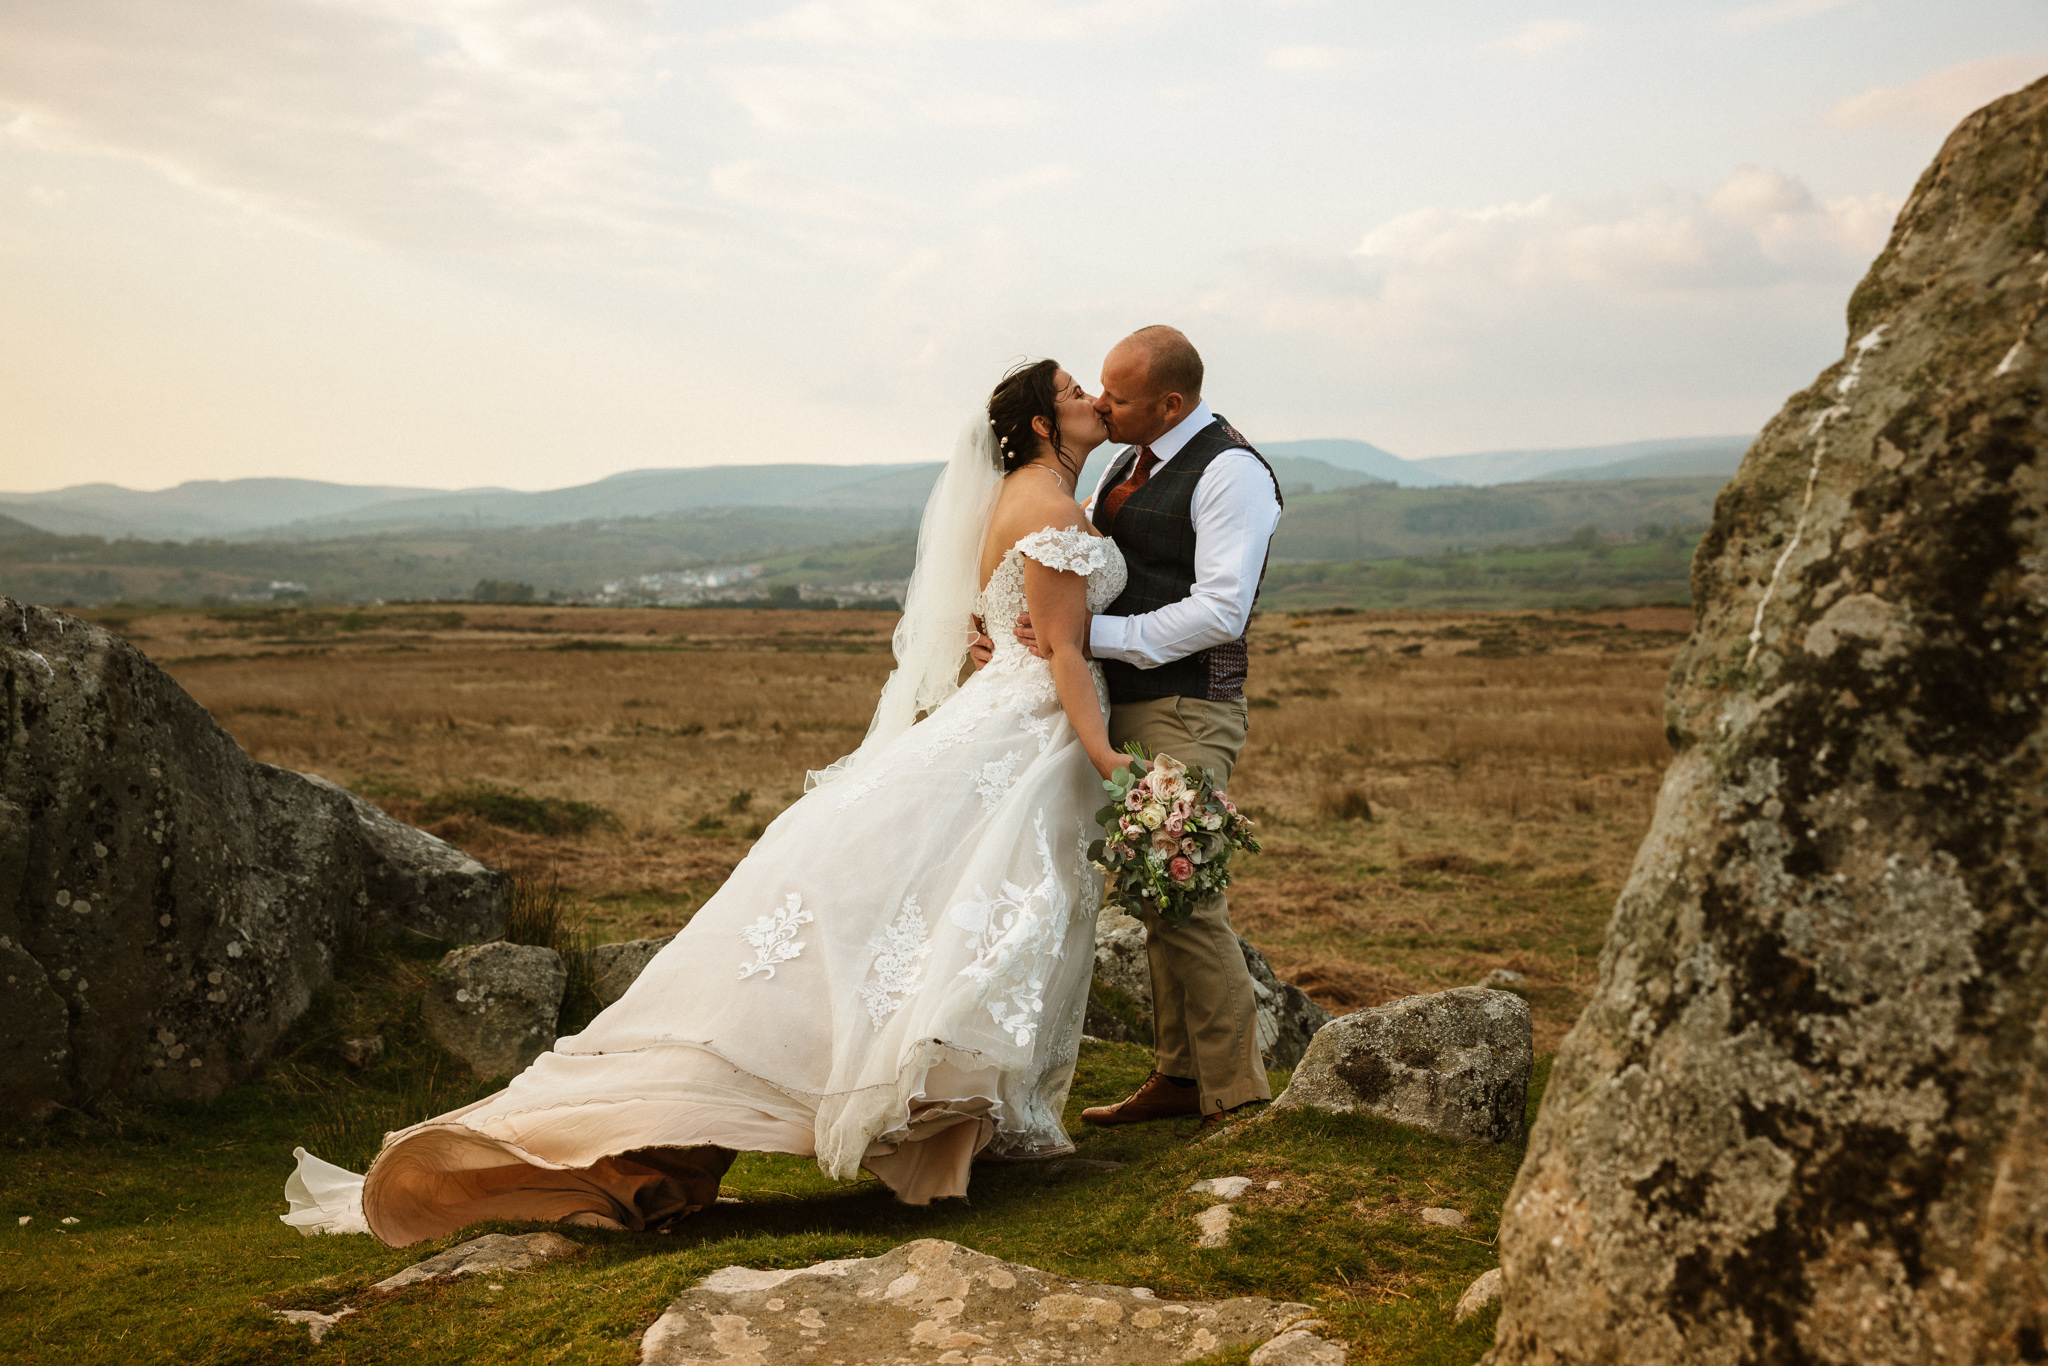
column 1167, row 837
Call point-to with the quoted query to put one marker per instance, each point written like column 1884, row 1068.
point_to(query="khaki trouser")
column 1204, row 1017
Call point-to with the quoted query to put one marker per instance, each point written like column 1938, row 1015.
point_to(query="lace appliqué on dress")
column 993, row 778
column 856, row 791
column 1066, row 548
column 774, row 937
column 899, row 952
column 1015, row 935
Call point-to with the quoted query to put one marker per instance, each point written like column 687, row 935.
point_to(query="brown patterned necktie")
column 1114, row 499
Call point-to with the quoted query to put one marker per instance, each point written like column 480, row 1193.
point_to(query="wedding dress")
column 893, row 978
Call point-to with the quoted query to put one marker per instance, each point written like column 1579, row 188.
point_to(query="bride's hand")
column 981, row 649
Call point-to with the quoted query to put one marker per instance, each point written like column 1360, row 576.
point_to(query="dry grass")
column 1442, row 794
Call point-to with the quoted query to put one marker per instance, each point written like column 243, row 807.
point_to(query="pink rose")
column 1228, row 805
column 1130, row 828
column 1134, row 800
column 1181, row 869
column 1174, row 824
column 1187, row 847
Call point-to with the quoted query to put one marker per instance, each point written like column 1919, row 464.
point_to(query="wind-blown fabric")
column 894, row 978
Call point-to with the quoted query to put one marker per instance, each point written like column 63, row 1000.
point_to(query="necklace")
column 1057, row 477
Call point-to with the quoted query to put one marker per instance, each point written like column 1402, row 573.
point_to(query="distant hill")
column 1521, row 466
column 1379, row 522
column 1357, row 457
column 1719, row 459
column 199, row 507
column 310, row 510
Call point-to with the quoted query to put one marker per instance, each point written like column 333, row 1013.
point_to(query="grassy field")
column 1441, row 794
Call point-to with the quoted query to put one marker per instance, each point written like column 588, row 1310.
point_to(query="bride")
column 894, row 977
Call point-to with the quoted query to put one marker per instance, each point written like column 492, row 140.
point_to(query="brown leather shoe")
column 1158, row 1098
column 1216, row 1119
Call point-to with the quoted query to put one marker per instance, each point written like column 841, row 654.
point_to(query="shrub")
column 513, row 809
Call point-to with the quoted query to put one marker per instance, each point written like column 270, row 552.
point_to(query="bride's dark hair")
column 1025, row 393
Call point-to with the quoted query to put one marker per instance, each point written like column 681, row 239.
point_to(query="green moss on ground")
column 178, row 1255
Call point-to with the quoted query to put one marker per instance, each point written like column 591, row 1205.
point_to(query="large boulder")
column 420, row 887
column 614, row 967
column 494, row 1005
column 168, row 906
column 934, row 1301
column 1805, row 1116
column 1454, row 1062
column 1288, row 1019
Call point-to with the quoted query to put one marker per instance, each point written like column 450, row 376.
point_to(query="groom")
column 1193, row 508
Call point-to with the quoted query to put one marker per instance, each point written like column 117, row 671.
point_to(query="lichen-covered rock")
column 494, row 1005
column 421, row 887
column 614, row 967
column 1454, row 1062
column 492, row 1252
column 168, row 906
column 1288, row 1019
column 934, row 1301
column 1805, row 1116
column 1300, row 1347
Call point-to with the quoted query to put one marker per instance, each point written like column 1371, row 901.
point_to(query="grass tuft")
column 513, row 809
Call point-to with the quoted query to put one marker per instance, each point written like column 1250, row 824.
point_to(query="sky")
column 530, row 243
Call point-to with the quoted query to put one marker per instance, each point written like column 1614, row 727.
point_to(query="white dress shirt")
column 1235, row 511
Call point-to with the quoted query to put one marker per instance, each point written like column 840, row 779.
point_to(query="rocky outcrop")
column 1805, row 1116
column 419, row 886
column 937, row 1301
column 1288, row 1019
column 614, row 967
column 168, row 906
column 494, row 1005
column 494, row 1252
column 1454, row 1062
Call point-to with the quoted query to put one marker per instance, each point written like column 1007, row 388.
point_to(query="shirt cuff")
column 1106, row 637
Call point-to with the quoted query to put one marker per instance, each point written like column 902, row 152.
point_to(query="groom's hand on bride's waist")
column 1030, row 637
column 981, row 649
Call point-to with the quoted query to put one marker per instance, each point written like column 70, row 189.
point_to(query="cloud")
column 1757, row 228
column 1307, row 58
column 763, row 187
column 1777, row 12
column 791, row 98
column 424, row 122
column 1000, row 188
column 1541, row 35
column 892, row 21
column 1942, row 98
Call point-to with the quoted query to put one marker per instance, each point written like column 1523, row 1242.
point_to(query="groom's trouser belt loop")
column 1204, row 1015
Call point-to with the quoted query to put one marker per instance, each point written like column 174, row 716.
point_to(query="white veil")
column 933, row 635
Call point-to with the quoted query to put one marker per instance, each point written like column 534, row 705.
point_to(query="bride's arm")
column 1059, row 613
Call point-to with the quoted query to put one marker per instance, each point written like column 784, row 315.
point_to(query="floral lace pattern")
column 774, row 937
column 993, row 778
column 855, row 791
column 1015, row 935
column 900, row 951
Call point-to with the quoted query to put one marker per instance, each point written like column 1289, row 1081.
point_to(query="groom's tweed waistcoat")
column 1155, row 529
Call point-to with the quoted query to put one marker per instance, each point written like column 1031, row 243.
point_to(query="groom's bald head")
column 1150, row 381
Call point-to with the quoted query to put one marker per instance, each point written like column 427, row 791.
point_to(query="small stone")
column 316, row 1322
column 937, row 1302
column 362, row 1053
column 1503, row 977
column 1223, row 1187
column 614, row 967
column 24, row 1220
column 1299, row 1347
column 1454, row 1062
column 67, row 1219
column 1214, row 1222
column 492, row 1252
column 494, row 1005
column 1479, row 1294
column 1444, row 1218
